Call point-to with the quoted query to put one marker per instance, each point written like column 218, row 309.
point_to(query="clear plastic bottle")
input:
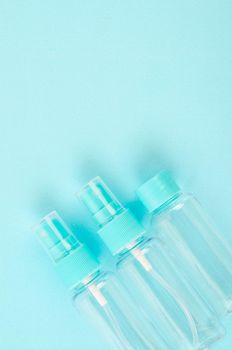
column 142, row 270
column 193, row 245
column 100, row 298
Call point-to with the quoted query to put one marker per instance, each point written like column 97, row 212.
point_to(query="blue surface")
column 111, row 88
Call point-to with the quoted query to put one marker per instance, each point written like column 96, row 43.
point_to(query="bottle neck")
column 127, row 250
column 88, row 280
column 166, row 205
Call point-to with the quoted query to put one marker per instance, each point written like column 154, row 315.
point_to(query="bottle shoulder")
column 100, row 277
column 175, row 205
column 127, row 257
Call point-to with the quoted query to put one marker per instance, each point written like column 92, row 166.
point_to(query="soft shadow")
column 149, row 161
column 89, row 168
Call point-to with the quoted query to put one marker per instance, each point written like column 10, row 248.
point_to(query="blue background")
column 111, row 88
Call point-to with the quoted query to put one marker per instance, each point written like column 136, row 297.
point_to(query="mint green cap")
column 158, row 190
column 72, row 259
column 118, row 226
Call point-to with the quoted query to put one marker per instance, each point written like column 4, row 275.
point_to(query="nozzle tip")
column 55, row 236
column 99, row 200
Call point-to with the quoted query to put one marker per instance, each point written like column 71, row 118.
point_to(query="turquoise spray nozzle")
column 56, row 237
column 118, row 226
column 100, row 201
column 73, row 260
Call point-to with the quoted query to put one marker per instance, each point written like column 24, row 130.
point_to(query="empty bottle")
column 142, row 270
column 99, row 297
column 189, row 241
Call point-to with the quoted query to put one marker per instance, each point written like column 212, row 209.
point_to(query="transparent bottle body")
column 116, row 317
column 167, row 301
column 196, row 250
